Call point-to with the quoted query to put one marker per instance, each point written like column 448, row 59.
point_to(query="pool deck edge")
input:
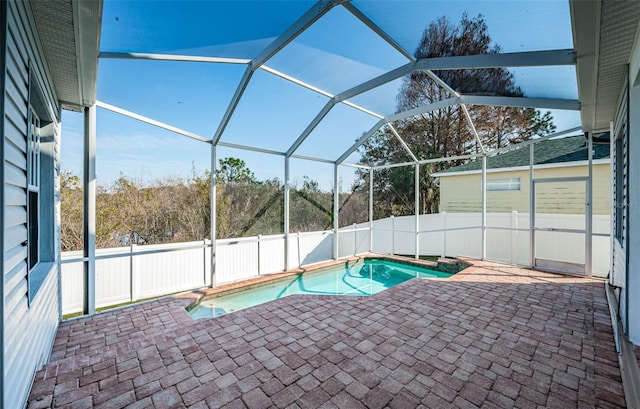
column 205, row 293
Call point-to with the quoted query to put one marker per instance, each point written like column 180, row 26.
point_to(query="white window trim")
column 33, row 173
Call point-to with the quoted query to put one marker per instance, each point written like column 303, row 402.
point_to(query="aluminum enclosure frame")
column 562, row 57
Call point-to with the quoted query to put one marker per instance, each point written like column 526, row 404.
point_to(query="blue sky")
column 336, row 53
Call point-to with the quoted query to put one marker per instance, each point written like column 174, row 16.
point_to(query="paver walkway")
column 494, row 336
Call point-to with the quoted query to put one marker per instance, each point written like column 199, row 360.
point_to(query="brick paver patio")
column 494, row 336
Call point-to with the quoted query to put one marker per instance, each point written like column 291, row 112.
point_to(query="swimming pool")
column 362, row 278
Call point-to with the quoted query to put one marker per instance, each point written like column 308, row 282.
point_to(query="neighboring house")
column 48, row 58
column 508, row 186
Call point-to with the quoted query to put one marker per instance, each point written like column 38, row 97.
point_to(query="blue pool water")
column 362, row 278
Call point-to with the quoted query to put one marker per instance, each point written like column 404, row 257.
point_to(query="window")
column 42, row 172
column 33, row 177
column 502, row 185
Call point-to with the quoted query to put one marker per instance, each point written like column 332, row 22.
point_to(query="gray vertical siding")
column 3, row 48
column 29, row 330
column 619, row 257
column 633, row 239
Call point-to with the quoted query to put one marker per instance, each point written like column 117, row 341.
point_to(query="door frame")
column 587, row 270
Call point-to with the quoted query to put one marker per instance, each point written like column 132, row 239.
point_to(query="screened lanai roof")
column 315, row 79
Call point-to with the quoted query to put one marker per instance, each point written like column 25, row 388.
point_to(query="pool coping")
column 206, row 293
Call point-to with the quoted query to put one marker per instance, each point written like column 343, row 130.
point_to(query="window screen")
column 499, row 185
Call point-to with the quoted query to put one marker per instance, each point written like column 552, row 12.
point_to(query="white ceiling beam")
column 316, row 121
column 394, row 165
column 318, row 10
column 355, row 165
column 525, row 59
column 522, row 102
column 472, row 126
column 402, row 142
column 362, row 109
column 233, row 104
column 296, row 81
column 317, row 90
column 378, row 30
column 427, row 161
column 501, row 60
column 442, row 84
column 170, row 57
column 360, row 141
column 313, row 159
column 249, row 148
column 150, row 121
column 376, row 82
column 450, row 158
column 422, row 109
column 312, row 125
column 305, row 21
column 520, row 59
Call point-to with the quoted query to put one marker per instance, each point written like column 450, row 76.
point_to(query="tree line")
column 178, row 210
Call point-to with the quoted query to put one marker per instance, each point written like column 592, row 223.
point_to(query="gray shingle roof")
column 570, row 149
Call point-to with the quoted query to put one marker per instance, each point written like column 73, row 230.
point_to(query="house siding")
column 29, row 330
column 620, row 182
column 3, row 87
column 461, row 193
column 632, row 188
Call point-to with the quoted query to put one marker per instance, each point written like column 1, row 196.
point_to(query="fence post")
column 131, row 269
column 355, row 239
column 514, row 233
column 393, row 235
column 299, row 258
column 204, row 262
column 417, row 211
column 371, row 210
column 444, row 234
column 259, row 237
column 370, row 237
column 484, row 209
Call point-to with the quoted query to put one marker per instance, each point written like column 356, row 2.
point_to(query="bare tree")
column 445, row 132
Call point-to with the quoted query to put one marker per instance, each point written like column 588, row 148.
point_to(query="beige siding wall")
column 461, row 193
column 29, row 328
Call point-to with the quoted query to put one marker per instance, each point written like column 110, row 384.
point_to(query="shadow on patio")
column 491, row 336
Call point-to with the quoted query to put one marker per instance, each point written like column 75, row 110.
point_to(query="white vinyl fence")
column 134, row 273
column 460, row 234
column 127, row 274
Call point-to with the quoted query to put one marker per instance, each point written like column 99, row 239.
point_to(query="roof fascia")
column 605, row 161
column 634, row 61
column 585, row 24
column 88, row 23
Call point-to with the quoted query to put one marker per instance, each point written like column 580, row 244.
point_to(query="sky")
column 334, row 54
